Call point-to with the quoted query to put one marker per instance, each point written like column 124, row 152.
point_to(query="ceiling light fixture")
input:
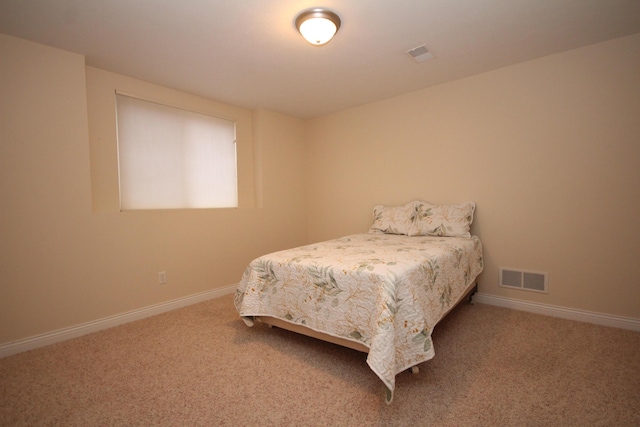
column 318, row 26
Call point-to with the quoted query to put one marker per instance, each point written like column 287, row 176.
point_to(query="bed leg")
column 472, row 293
column 415, row 370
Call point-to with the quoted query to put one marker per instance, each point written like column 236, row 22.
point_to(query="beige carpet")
column 201, row 366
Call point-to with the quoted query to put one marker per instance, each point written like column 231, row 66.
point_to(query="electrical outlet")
column 162, row 277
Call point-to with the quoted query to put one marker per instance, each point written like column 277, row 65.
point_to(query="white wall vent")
column 526, row 280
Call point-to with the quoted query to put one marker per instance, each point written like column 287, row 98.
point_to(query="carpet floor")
column 201, row 366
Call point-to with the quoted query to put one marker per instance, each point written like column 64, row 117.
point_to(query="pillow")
column 442, row 220
column 393, row 219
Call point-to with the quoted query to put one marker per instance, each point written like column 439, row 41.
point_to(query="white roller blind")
column 170, row 158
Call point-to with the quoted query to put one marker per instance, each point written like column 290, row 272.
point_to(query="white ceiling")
column 248, row 52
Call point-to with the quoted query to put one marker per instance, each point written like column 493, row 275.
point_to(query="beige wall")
column 65, row 260
column 548, row 149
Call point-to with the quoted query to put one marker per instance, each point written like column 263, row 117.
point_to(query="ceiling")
column 248, row 53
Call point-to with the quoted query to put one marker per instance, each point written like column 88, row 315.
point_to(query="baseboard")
column 15, row 347
column 64, row 334
column 563, row 312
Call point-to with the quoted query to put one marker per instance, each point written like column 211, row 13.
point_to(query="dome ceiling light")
column 318, row 26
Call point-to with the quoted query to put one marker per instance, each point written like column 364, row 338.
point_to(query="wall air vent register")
column 526, row 280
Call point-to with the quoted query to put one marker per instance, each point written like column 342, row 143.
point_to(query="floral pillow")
column 442, row 220
column 393, row 219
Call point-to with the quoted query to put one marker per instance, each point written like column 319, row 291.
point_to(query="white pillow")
column 442, row 220
column 393, row 219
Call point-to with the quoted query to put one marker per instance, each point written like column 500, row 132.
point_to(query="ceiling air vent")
column 419, row 54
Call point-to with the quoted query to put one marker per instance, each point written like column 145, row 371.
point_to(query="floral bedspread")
column 382, row 290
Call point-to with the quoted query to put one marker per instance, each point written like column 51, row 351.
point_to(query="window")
column 170, row 158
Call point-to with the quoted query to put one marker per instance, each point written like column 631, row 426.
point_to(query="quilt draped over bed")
column 384, row 291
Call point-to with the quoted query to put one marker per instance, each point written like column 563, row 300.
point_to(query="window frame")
column 167, row 107
column 102, row 167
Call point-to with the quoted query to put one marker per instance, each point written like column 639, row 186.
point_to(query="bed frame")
column 278, row 323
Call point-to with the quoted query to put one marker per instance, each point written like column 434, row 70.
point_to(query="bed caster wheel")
column 415, row 370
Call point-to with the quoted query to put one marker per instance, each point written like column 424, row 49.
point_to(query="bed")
column 380, row 292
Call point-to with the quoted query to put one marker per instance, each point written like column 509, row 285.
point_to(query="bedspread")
column 382, row 290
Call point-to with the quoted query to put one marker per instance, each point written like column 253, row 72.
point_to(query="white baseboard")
column 563, row 312
column 30, row 343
